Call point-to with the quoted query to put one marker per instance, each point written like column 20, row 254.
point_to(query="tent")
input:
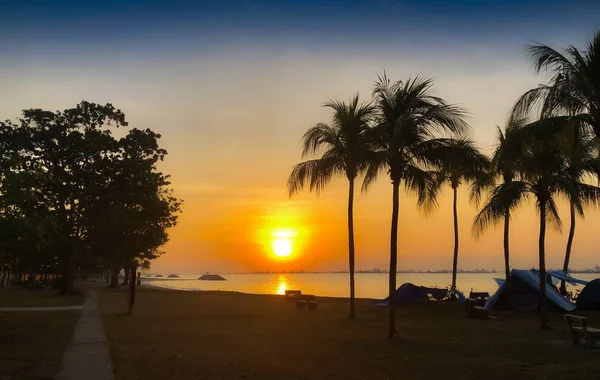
column 589, row 298
column 562, row 275
column 524, row 293
column 412, row 293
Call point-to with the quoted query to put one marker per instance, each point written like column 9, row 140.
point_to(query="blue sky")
column 233, row 85
column 334, row 24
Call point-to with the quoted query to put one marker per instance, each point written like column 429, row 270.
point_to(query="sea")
column 368, row 285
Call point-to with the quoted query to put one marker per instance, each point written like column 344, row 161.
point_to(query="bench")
column 474, row 310
column 290, row 294
column 302, row 301
column 590, row 334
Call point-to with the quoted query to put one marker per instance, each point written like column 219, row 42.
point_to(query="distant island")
column 211, row 277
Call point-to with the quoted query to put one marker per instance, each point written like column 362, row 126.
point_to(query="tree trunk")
column 393, row 258
column 114, row 276
column 131, row 275
column 563, row 284
column 351, row 246
column 126, row 270
column 455, row 261
column 506, row 249
column 542, row 252
column 68, row 273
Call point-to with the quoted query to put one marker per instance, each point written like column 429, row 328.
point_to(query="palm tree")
column 505, row 163
column 574, row 83
column 543, row 174
column 461, row 162
column 582, row 149
column 346, row 151
column 410, row 121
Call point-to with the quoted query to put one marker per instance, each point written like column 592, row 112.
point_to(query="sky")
column 233, row 85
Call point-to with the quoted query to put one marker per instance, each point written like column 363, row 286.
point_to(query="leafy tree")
column 544, row 173
column 408, row 131
column 136, row 206
column 72, row 191
column 346, row 151
column 461, row 162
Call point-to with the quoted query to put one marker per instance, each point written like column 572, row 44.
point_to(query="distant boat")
column 159, row 275
column 172, row 276
column 211, row 277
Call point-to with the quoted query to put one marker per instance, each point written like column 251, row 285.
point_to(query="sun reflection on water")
column 282, row 285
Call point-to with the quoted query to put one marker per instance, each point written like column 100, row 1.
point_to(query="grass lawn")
column 32, row 344
column 223, row 335
column 18, row 296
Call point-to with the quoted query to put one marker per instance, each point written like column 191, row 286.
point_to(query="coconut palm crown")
column 574, row 83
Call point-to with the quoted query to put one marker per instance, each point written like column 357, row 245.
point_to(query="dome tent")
column 589, row 298
column 408, row 292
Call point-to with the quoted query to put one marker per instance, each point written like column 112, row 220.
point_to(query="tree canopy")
column 79, row 194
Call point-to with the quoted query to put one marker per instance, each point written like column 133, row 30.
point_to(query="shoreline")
column 236, row 292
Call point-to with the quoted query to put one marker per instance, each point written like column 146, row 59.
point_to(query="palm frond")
column 505, row 197
column 316, row 173
column 421, row 182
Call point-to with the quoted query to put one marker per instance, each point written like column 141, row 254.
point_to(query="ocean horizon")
column 368, row 285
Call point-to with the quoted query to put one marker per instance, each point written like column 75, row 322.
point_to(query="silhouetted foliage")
column 66, row 181
column 408, row 139
column 346, row 151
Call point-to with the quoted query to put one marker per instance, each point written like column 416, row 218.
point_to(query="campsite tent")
column 412, row 293
column 589, row 298
column 524, row 293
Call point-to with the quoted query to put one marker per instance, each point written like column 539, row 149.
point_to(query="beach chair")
column 590, row 334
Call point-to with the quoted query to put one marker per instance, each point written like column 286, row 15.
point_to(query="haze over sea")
column 368, row 285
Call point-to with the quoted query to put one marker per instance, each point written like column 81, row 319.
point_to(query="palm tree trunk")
column 563, row 285
column 455, row 261
column 506, row 250
column 351, row 246
column 394, row 257
column 542, row 252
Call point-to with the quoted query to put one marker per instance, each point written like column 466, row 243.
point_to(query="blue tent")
column 524, row 293
column 412, row 293
column 562, row 275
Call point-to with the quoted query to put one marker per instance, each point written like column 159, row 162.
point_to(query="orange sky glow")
column 232, row 123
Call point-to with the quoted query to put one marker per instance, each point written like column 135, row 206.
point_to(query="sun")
column 282, row 243
column 282, row 247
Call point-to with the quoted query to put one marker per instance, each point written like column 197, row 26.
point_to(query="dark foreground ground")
column 223, row 335
column 32, row 343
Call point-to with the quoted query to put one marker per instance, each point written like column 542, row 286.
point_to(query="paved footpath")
column 87, row 357
column 40, row 308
